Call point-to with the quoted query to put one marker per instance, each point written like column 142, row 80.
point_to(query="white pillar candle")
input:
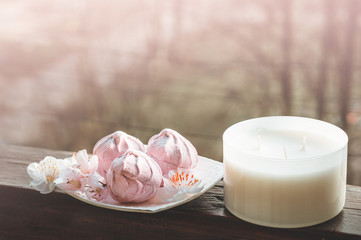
column 284, row 171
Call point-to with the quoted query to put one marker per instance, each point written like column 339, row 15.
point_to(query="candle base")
column 278, row 225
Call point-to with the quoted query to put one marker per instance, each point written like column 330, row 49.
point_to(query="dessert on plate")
column 124, row 170
column 134, row 177
column 114, row 146
column 172, row 151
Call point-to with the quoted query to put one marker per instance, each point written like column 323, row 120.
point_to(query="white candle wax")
column 285, row 171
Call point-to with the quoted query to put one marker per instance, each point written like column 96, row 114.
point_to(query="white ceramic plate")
column 208, row 170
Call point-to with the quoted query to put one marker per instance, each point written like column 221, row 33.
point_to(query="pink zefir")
column 114, row 146
column 134, row 177
column 172, row 151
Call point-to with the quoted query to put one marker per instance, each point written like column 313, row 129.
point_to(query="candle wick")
column 304, row 143
column 259, row 142
column 284, row 150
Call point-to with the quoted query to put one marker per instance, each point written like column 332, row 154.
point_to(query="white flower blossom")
column 71, row 174
column 86, row 165
column 70, row 179
column 96, row 187
column 179, row 186
column 80, row 167
column 44, row 173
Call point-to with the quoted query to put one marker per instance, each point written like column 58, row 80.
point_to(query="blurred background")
column 72, row 72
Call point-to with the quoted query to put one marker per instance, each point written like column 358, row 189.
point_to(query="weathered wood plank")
column 25, row 213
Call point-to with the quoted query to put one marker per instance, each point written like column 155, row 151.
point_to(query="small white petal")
column 93, row 163
column 44, row 188
column 195, row 190
column 33, row 170
column 58, row 181
column 65, row 163
column 177, row 197
column 82, row 159
column 50, row 188
column 171, row 173
column 48, row 159
column 39, row 186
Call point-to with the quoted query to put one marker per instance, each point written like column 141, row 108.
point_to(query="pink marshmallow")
column 113, row 146
column 134, row 177
column 172, row 151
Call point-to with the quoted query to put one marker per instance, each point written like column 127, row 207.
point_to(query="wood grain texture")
column 27, row 214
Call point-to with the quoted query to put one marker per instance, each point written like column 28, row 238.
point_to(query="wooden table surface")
column 27, row 214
